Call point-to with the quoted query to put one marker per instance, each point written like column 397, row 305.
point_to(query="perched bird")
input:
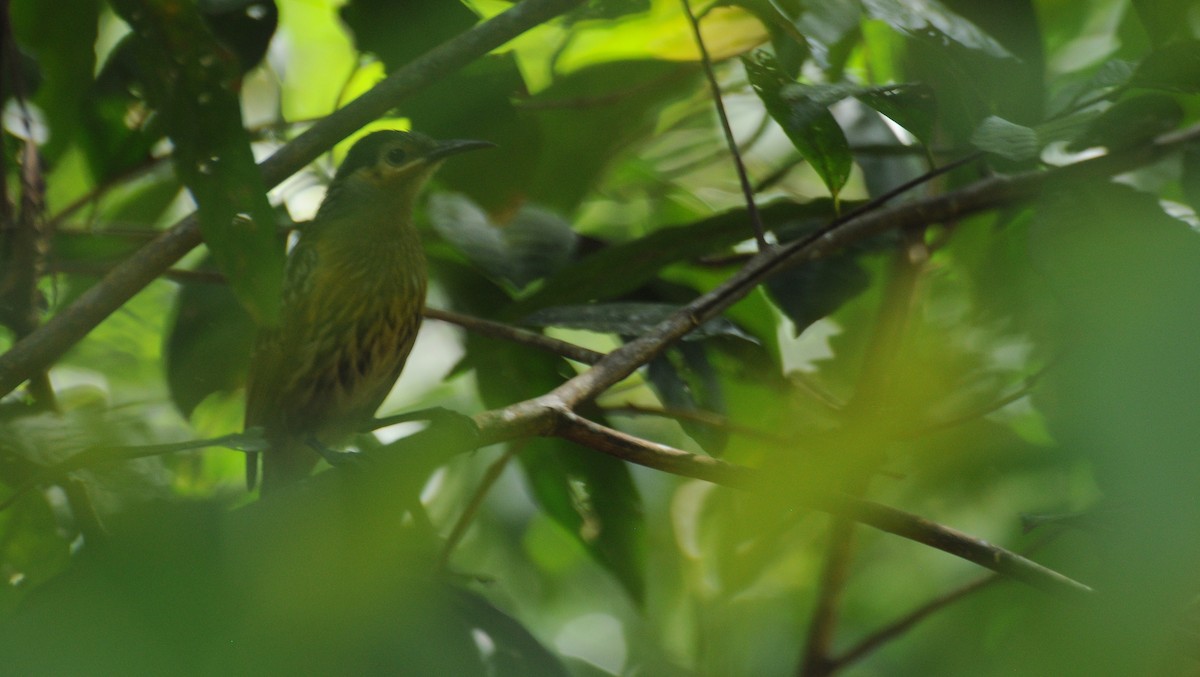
column 353, row 295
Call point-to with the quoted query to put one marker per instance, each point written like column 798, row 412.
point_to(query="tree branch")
column 47, row 344
column 577, row 429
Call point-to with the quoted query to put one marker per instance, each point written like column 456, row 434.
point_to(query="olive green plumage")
column 353, row 296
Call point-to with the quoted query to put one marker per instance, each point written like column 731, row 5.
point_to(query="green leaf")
column 626, row 319
column 61, row 35
column 1131, row 122
column 590, row 494
column 931, row 20
column 587, row 118
column 802, row 112
column 912, row 106
column 209, row 343
column 533, row 244
column 1174, row 68
column 190, row 78
column 685, row 380
column 398, row 32
column 639, row 261
column 1007, row 139
column 815, row 289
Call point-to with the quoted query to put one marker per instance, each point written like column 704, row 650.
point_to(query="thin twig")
column 909, row 620
column 575, row 428
column 40, row 349
column 489, row 479
column 760, row 234
column 516, row 335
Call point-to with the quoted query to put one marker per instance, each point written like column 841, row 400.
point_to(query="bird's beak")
column 455, row 146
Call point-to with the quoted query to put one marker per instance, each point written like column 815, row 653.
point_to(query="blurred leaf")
column 1131, row 122
column 590, row 116
column 244, row 26
column 1190, row 178
column 1166, row 21
column 1174, row 68
column 61, row 36
column 802, row 111
column 931, row 20
column 398, row 32
column 617, row 270
column 589, row 494
column 814, row 289
column 1007, row 139
column 626, row 319
column 517, row 652
column 190, row 78
column 209, row 343
column 605, row 10
column 685, row 381
column 831, row 28
column 912, row 106
column 533, row 244
column 477, row 102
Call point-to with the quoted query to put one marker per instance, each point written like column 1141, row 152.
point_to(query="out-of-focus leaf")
column 831, row 28
column 61, row 35
column 931, row 20
column 605, row 10
column 209, row 344
column 533, row 244
column 1190, row 178
column 802, row 111
column 1131, row 122
column 33, row 549
column 912, row 106
column 590, row 116
column 663, row 33
column 1007, row 139
column 517, row 652
column 190, row 78
column 685, row 380
column 1175, row 68
column 591, row 495
column 244, row 26
column 596, row 277
column 477, row 103
column 814, row 289
column 626, row 319
column 1166, row 21
column 398, row 32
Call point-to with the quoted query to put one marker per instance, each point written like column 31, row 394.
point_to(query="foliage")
column 1009, row 342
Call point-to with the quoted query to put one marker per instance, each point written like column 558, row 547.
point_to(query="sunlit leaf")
column 1006, row 139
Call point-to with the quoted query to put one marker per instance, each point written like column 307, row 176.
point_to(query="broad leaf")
column 802, row 111
column 190, row 78
column 533, row 244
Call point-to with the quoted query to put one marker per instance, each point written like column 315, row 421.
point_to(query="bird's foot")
column 335, row 457
column 433, row 415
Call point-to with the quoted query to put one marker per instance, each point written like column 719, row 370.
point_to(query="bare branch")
column 44, row 346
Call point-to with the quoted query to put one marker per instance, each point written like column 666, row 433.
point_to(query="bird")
column 352, row 302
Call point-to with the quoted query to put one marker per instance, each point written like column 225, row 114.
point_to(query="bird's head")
column 392, row 165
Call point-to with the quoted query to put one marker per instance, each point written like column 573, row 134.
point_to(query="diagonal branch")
column 41, row 348
column 980, row 196
column 573, row 427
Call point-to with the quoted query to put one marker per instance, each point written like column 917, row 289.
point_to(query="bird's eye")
column 396, row 156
